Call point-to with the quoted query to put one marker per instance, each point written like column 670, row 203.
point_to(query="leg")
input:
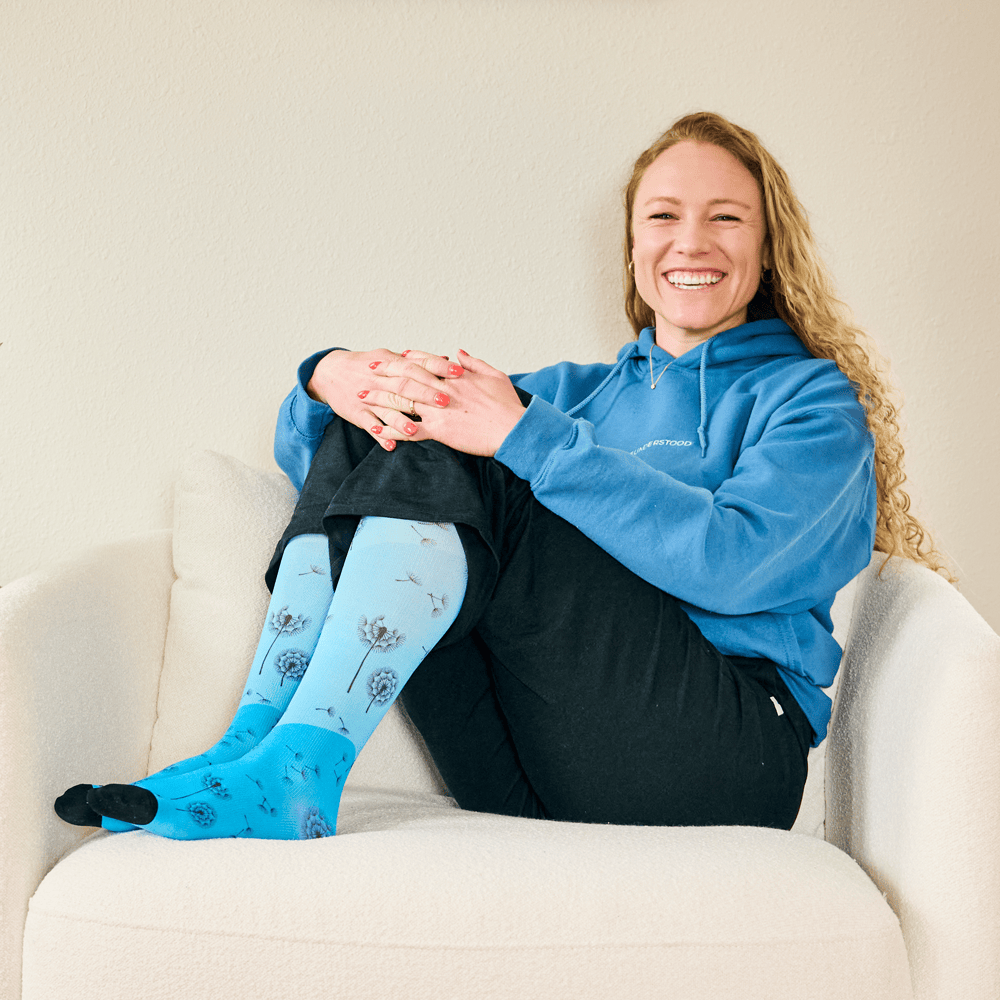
column 394, row 600
column 300, row 578
column 601, row 701
column 596, row 699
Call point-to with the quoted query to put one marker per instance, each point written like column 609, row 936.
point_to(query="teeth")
column 691, row 279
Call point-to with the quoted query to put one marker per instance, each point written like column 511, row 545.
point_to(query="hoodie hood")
column 739, row 349
column 743, row 347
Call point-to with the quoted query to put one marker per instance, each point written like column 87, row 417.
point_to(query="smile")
column 694, row 279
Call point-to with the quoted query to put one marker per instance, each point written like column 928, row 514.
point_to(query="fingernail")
column 455, row 370
column 377, row 429
column 410, row 428
column 374, row 365
column 441, row 399
column 407, row 352
column 460, row 351
column 389, row 445
column 363, row 393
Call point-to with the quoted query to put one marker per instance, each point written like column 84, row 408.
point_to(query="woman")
column 617, row 579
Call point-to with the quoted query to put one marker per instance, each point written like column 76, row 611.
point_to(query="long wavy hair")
column 796, row 286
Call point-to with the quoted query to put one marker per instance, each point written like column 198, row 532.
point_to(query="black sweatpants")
column 567, row 688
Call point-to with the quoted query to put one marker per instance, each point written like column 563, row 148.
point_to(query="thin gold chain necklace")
column 652, row 384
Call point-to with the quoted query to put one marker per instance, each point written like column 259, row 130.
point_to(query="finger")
column 424, row 370
column 420, row 355
column 477, row 365
column 400, row 426
column 404, row 395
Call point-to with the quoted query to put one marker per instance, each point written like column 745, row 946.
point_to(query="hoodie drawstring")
column 702, row 432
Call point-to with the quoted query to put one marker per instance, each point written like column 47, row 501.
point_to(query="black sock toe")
column 127, row 803
column 72, row 807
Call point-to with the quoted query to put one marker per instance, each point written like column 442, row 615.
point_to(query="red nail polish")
column 441, row 399
column 455, row 370
column 390, row 445
column 363, row 393
column 377, row 429
column 407, row 352
column 374, row 365
column 410, row 428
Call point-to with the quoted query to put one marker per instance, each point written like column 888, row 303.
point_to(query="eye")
column 727, row 218
column 663, row 215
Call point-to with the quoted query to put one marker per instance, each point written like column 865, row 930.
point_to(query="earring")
column 631, row 267
column 766, row 275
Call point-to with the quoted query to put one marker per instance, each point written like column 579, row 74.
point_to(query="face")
column 698, row 236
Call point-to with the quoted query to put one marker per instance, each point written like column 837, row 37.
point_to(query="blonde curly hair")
column 799, row 290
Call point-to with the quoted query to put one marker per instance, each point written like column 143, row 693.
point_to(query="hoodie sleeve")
column 792, row 524
column 301, row 424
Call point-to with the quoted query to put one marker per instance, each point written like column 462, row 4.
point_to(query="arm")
column 301, row 423
column 793, row 522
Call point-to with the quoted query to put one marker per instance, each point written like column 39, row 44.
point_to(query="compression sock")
column 299, row 604
column 402, row 585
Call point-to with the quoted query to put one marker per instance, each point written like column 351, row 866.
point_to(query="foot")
column 287, row 788
column 72, row 807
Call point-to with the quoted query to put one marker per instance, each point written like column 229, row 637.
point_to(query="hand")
column 377, row 390
column 484, row 409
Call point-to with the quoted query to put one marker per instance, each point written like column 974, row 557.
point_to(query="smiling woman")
column 618, row 598
column 698, row 238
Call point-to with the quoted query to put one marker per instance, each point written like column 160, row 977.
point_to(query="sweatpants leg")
column 568, row 687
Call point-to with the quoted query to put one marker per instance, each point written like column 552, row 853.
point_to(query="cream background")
column 196, row 195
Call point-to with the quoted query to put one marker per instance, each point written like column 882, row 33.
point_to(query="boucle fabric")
column 414, row 898
column 451, row 903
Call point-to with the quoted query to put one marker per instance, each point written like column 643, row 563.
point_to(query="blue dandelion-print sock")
column 299, row 604
column 402, row 585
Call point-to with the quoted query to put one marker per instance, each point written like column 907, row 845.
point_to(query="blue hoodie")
column 743, row 484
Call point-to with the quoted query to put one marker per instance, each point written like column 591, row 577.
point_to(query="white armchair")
column 133, row 655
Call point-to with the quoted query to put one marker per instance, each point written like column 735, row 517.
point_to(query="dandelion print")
column 239, row 735
column 247, row 831
column 318, row 570
column 382, row 686
column 250, row 693
column 291, row 664
column 410, row 578
column 315, row 824
column 424, row 540
column 438, row 605
column 302, row 772
column 201, row 812
column 209, row 783
column 284, row 622
column 379, row 637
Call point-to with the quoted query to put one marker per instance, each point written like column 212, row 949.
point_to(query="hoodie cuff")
column 309, row 416
column 543, row 429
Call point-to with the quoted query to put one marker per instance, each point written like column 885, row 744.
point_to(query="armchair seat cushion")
column 415, row 897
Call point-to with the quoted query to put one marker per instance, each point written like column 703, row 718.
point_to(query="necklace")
column 652, row 383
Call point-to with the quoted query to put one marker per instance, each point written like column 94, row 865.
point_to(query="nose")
column 692, row 237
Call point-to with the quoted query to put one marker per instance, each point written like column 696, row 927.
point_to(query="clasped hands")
column 469, row 405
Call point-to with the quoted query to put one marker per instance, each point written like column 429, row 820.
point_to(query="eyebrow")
column 714, row 201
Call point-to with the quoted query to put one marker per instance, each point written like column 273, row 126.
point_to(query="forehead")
column 697, row 173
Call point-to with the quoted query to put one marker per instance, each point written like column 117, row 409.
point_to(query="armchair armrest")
column 81, row 647
column 913, row 772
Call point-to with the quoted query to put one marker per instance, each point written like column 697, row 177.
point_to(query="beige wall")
column 197, row 194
